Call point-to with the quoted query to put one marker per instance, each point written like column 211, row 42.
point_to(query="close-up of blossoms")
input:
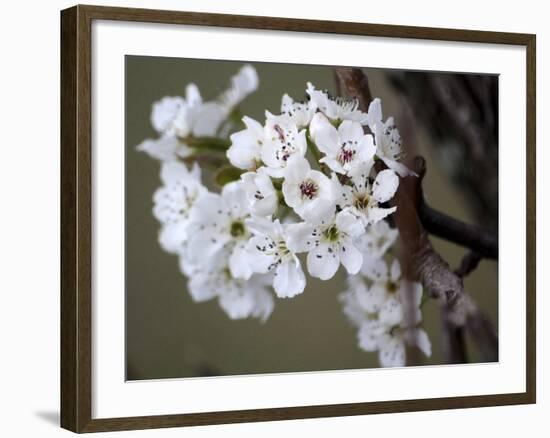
column 296, row 195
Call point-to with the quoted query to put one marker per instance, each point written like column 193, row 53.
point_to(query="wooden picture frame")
column 76, row 217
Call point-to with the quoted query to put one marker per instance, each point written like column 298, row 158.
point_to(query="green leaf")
column 227, row 174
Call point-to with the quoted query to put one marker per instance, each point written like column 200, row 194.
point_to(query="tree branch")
column 427, row 265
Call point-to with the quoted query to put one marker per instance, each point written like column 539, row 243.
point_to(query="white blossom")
column 181, row 117
column 336, row 109
column 363, row 198
column 174, row 202
column 218, row 221
column 270, row 253
column 246, row 145
column 387, row 139
column 203, row 120
column 391, row 344
column 165, row 112
column 237, row 297
column 309, row 192
column 262, row 196
column 247, row 298
column 282, row 140
column 345, row 148
column 300, row 113
column 165, row 148
column 376, row 240
column 243, row 83
column 389, row 292
column 176, row 118
column 328, row 244
column 377, row 306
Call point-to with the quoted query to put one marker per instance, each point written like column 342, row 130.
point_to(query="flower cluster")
column 381, row 304
column 305, row 189
column 180, row 119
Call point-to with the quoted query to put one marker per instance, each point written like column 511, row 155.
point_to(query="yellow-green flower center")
column 332, row 234
column 237, row 229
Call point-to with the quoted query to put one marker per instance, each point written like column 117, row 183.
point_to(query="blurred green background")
column 167, row 334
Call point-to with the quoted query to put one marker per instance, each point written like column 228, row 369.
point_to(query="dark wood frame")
column 76, row 226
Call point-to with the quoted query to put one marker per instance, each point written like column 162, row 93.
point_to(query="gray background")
column 167, row 335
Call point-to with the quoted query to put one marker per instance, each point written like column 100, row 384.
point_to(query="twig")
column 466, row 109
column 468, row 264
column 470, row 236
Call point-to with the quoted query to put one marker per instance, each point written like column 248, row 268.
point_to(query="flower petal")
column 234, row 197
column 374, row 116
column 260, row 192
column 206, row 245
column 369, row 335
column 259, row 259
column 235, row 303
column 375, row 269
column 289, row 279
column 245, row 148
column 202, row 287
column 164, row 148
column 398, row 168
column 373, row 298
column 263, row 305
column 385, row 185
column 165, row 111
column 422, row 341
column 376, row 214
column 173, row 171
column 348, row 223
column 350, row 257
column 395, row 270
column 302, row 237
column 207, row 119
column 324, row 135
column 323, row 262
column 239, row 262
column 192, row 95
column 297, row 168
column 391, row 312
column 173, row 236
column 263, row 226
column 350, row 131
column 392, row 352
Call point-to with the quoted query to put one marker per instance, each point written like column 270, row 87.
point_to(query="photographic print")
column 304, row 232
column 286, row 218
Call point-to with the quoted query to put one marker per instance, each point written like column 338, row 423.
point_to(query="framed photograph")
column 268, row 218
